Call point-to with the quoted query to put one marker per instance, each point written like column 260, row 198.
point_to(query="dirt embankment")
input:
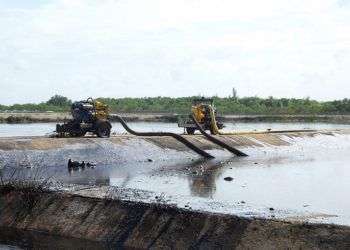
column 156, row 117
column 244, row 140
column 140, row 225
column 33, row 117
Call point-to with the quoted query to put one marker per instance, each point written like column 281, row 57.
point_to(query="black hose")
column 181, row 139
column 217, row 141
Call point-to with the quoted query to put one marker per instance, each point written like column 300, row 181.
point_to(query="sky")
column 132, row 48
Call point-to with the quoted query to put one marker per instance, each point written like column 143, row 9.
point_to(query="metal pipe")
column 217, row 141
column 181, row 139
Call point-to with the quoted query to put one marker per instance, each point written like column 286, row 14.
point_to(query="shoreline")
column 46, row 117
column 144, row 225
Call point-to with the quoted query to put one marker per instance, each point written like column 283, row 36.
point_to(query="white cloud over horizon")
column 135, row 48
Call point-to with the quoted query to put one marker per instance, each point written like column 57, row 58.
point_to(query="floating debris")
column 229, row 178
column 91, row 164
column 76, row 165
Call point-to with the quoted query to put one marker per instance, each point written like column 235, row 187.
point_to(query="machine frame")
column 88, row 116
column 187, row 122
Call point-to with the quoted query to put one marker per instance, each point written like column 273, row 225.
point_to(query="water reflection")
column 87, row 176
column 201, row 175
column 196, row 178
column 202, row 181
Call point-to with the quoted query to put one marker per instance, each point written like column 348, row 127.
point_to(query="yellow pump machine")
column 204, row 117
column 88, row 116
column 203, row 110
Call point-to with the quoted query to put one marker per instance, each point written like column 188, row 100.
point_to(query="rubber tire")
column 190, row 130
column 103, row 129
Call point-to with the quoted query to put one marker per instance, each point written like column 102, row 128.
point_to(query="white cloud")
column 160, row 47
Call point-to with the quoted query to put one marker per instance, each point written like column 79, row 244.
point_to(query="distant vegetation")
column 228, row 105
column 56, row 103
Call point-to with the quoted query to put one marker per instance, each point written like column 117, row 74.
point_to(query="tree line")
column 182, row 105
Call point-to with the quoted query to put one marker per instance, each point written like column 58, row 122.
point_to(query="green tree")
column 58, row 100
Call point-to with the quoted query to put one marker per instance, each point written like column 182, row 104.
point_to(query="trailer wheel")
column 190, row 130
column 103, row 129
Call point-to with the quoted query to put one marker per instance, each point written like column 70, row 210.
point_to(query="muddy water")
column 308, row 180
column 39, row 129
